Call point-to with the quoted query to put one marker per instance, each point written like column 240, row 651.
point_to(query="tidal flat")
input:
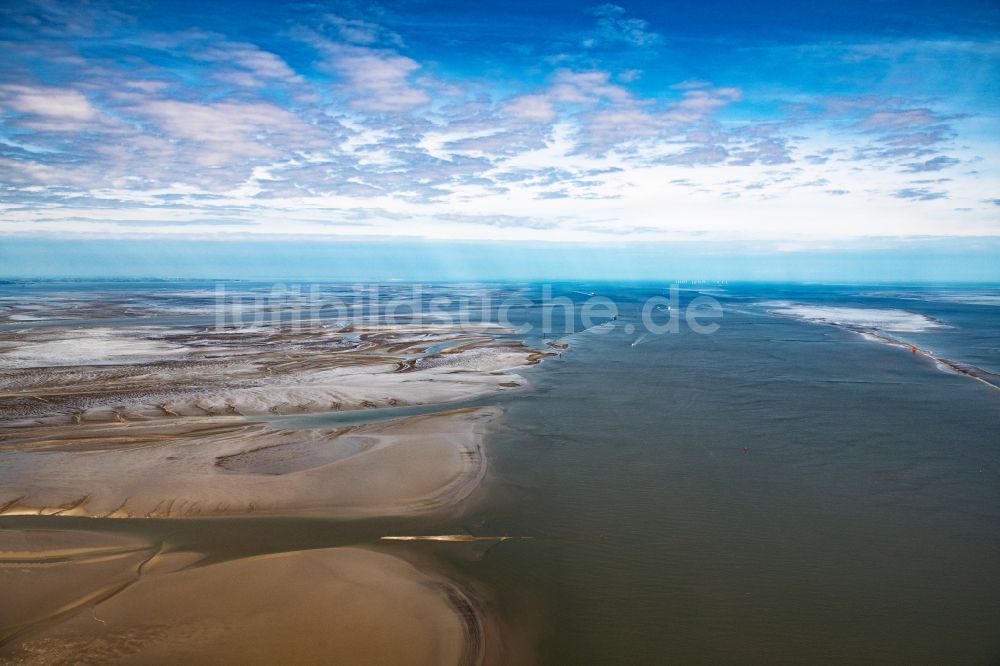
column 153, row 420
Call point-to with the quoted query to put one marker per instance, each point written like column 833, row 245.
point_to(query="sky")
column 747, row 138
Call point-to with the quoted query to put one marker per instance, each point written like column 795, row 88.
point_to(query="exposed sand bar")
column 878, row 324
column 459, row 538
column 329, row 606
column 218, row 466
column 883, row 319
column 104, row 425
column 177, row 421
column 243, row 373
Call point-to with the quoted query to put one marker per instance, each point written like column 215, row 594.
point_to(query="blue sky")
column 794, row 129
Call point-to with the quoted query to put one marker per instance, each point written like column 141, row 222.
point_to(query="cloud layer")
column 323, row 123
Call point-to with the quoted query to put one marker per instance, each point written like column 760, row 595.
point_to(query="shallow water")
column 362, row 416
column 776, row 492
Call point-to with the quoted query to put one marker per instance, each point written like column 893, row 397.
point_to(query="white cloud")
column 698, row 103
column 373, row 79
column 378, row 80
column 361, row 32
column 586, row 87
column 381, row 147
column 531, row 107
column 899, row 118
column 614, row 27
column 250, row 58
column 48, row 107
column 226, row 131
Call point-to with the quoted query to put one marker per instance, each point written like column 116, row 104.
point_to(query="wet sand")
column 228, row 466
column 196, row 435
column 185, row 422
column 112, row 599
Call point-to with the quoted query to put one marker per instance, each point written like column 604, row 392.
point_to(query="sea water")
column 778, row 491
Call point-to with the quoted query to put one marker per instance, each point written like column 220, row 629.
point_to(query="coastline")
column 943, row 364
column 828, row 316
column 180, row 427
